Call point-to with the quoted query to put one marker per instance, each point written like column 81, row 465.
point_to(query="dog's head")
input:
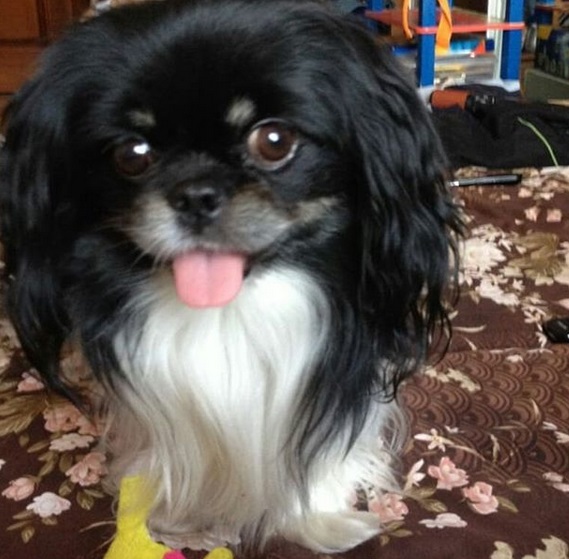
column 215, row 137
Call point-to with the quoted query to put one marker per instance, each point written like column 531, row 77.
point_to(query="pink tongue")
column 208, row 279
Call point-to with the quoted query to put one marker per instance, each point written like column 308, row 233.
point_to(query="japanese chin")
column 236, row 211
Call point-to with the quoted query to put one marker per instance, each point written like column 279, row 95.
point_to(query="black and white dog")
column 236, row 210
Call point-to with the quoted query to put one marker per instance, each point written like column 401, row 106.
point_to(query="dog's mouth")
column 208, row 278
column 210, row 266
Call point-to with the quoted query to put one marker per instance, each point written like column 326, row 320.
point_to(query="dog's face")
column 218, row 174
column 212, row 138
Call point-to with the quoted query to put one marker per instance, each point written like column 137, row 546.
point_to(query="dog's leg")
column 330, row 522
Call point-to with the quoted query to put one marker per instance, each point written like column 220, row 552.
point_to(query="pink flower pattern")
column 19, row 489
column 388, row 507
column 89, row 470
column 448, row 476
column 29, row 383
column 61, row 418
column 481, row 498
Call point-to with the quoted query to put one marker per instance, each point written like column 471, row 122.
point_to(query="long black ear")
column 35, row 220
column 409, row 223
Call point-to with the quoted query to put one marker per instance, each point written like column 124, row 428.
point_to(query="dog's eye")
column 133, row 158
column 271, row 144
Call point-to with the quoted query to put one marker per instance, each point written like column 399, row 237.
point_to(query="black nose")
column 198, row 205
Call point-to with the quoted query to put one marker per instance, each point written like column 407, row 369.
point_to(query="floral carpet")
column 485, row 472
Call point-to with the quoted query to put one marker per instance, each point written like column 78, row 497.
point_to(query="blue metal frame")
column 511, row 42
column 376, row 5
column 426, row 44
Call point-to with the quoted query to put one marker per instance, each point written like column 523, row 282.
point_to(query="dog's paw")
column 197, row 540
column 332, row 532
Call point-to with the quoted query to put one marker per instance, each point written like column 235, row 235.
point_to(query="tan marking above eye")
column 142, row 118
column 241, row 112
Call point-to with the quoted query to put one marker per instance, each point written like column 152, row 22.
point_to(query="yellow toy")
column 132, row 540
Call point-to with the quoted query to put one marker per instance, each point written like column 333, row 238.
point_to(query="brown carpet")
column 486, row 467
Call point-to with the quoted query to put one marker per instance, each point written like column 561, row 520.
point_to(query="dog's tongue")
column 208, row 279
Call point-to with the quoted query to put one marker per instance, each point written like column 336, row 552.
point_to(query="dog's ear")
column 35, row 218
column 408, row 221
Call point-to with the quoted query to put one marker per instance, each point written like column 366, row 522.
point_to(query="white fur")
column 212, row 409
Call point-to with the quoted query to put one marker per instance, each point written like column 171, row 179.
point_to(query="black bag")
column 505, row 133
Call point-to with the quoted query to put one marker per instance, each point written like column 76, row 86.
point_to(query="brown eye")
column 271, row 144
column 133, row 158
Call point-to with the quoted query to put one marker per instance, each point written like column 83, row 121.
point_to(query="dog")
column 236, row 210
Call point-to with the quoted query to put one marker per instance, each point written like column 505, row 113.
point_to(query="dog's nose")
column 199, row 205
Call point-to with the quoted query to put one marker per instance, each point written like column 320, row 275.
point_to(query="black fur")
column 366, row 139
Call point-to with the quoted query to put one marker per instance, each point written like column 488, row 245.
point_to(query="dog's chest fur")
column 215, row 395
